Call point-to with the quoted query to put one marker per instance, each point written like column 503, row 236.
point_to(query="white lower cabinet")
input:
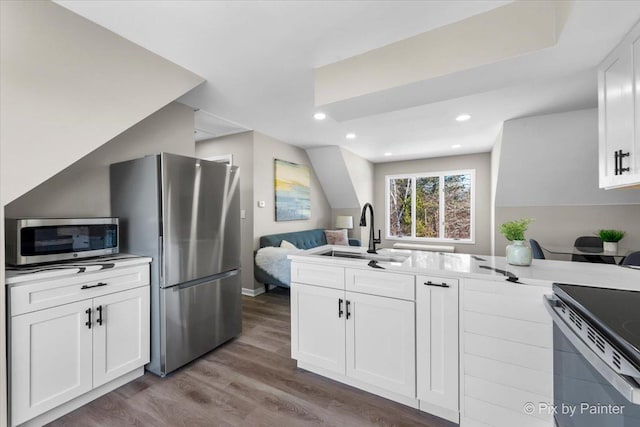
column 60, row 353
column 369, row 339
column 381, row 342
column 317, row 327
column 51, row 359
column 120, row 334
column 507, row 353
column 437, row 345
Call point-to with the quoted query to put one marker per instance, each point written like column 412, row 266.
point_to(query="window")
column 431, row 206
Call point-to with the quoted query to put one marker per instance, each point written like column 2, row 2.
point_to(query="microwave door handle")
column 625, row 385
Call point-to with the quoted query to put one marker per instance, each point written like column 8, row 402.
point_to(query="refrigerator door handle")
column 207, row 279
column 160, row 260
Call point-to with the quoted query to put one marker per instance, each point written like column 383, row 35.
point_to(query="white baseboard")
column 252, row 292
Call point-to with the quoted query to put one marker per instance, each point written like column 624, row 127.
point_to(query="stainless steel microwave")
column 35, row 241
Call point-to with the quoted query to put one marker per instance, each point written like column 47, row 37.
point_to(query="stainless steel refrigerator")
column 185, row 214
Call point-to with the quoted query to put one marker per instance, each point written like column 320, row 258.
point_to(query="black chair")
column 537, row 249
column 632, row 259
column 593, row 243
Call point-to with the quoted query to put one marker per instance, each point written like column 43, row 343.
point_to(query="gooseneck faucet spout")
column 363, row 223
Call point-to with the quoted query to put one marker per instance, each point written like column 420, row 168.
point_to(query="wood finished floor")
column 250, row 381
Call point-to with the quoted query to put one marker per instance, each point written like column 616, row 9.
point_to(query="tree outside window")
column 435, row 206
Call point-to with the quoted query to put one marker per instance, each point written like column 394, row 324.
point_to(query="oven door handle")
column 625, row 385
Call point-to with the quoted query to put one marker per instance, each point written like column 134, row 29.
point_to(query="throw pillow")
column 288, row 245
column 337, row 237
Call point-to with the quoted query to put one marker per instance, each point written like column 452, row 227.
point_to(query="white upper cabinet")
column 619, row 114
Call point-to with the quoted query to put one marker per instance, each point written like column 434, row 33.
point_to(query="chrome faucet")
column 363, row 223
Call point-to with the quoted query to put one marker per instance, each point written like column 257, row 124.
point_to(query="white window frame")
column 441, row 175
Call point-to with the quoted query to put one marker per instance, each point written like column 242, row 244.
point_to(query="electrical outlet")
column 243, row 214
column 262, row 203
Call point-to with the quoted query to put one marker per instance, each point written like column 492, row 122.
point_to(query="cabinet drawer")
column 527, row 356
column 32, row 296
column 529, row 308
column 497, row 416
column 510, row 375
column 317, row 274
column 508, row 398
column 394, row 285
column 522, row 331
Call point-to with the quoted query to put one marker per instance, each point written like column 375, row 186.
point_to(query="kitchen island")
column 460, row 336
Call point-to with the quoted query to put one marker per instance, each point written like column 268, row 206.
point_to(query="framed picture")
column 293, row 191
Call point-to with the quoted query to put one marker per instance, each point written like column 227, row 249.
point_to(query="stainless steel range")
column 596, row 341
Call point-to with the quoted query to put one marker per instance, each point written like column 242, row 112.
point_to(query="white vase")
column 518, row 253
column 610, row 246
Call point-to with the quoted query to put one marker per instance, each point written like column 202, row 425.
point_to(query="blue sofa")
column 306, row 239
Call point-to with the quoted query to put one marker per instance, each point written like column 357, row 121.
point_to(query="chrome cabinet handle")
column 93, row 286
column 440, row 285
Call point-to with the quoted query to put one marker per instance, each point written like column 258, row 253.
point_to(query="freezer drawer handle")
column 93, row 286
column 88, row 322
column 441, row 285
column 99, row 315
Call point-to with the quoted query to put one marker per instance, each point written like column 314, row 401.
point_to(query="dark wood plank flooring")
column 250, row 381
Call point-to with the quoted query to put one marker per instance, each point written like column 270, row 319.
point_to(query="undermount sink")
column 365, row 255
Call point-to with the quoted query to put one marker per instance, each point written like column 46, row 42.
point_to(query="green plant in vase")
column 518, row 253
column 610, row 239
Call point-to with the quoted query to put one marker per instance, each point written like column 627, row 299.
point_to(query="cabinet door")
column 381, row 342
column 121, row 334
column 317, row 327
column 437, row 341
column 50, row 359
column 616, row 115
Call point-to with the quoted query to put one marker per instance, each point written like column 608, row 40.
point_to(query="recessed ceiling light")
column 350, row 136
column 454, row 146
column 319, row 116
column 388, row 154
column 463, row 117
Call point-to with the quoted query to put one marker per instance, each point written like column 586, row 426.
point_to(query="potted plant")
column 518, row 253
column 610, row 239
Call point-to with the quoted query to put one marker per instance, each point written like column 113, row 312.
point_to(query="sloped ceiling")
column 67, row 86
column 260, row 57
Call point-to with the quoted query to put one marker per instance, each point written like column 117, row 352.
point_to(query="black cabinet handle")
column 340, row 312
column 441, row 285
column 99, row 315
column 88, row 323
column 348, row 312
column 618, row 156
column 97, row 285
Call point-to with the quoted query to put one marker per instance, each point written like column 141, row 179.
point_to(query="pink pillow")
column 337, row 237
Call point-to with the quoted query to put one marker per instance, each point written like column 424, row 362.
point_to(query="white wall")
column 479, row 162
column 82, row 189
column 265, row 151
column 69, row 86
column 361, row 174
column 552, row 160
column 495, row 174
column 241, row 147
column 549, row 171
column 331, row 168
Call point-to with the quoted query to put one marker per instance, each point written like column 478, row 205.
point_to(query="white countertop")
column 15, row 275
column 541, row 272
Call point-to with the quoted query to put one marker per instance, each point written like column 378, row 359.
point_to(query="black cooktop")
column 616, row 313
